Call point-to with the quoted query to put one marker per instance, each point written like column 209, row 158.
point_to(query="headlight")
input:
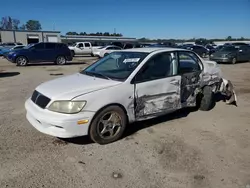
column 67, row 107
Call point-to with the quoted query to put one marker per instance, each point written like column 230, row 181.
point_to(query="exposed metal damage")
column 190, row 86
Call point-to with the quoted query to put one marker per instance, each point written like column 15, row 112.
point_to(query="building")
column 95, row 40
column 27, row 37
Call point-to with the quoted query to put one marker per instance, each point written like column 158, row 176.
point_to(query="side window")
column 39, row 46
column 160, row 66
column 117, row 48
column 50, row 46
column 188, row 63
column 87, row 44
column 80, row 45
column 109, row 48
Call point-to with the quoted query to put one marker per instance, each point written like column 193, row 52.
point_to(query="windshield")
column 228, row 48
column 116, row 65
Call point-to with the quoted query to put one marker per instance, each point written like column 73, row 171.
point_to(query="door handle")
column 175, row 82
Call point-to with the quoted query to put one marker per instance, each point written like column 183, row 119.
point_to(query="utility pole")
column 53, row 26
column 114, row 30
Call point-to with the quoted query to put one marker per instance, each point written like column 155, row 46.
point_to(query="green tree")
column 229, row 38
column 22, row 27
column 9, row 23
column 33, row 25
column 71, row 33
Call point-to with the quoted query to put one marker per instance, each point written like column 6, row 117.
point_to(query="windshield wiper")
column 97, row 74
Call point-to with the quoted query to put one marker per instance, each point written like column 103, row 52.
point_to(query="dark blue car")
column 41, row 52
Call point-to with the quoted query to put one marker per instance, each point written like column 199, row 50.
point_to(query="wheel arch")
column 102, row 108
column 21, row 56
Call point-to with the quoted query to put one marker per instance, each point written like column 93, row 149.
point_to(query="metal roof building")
column 95, row 39
column 26, row 37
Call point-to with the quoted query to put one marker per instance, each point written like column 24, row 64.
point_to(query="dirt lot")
column 182, row 150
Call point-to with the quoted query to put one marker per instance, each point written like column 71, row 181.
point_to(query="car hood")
column 69, row 87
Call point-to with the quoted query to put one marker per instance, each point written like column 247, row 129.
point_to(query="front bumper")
column 221, row 59
column 57, row 124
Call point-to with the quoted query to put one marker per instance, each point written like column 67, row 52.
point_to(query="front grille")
column 39, row 99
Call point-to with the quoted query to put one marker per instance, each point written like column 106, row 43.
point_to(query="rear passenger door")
column 190, row 69
column 50, row 52
column 87, row 48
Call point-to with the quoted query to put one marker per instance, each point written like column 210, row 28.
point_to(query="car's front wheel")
column 60, row 60
column 234, row 60
column 21, row 61
column 108, row 125
column 207, row 99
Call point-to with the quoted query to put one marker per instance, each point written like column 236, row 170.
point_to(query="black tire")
column 61, row 60
column 207, row 100
column 94, row 130
column 234, row 60
column 21, row 61
column 72, row 53
column 92, row 55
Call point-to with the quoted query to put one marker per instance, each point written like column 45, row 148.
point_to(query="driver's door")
column 79, row 50
column 157, row 86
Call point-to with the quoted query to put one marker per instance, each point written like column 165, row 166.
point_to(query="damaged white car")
column 124, row 87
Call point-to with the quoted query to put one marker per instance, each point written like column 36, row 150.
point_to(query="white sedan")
column 103, row 51
column 124, row 87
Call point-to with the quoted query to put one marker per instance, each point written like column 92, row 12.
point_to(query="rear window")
column 61, row 45
column 50, row 45
column 87, row 44
column 19, row 43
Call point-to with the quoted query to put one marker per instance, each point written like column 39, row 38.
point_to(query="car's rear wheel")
column 108, row 125
column 92, row 55
column 234, row 60
column 60, row 60
column 207, row 99
column 21, row 61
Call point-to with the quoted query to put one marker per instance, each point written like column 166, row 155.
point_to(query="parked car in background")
column 5, row 51
column 107, row 50
column 210, row 49
column 200, row 50
column 231, row 54
column 124, row 87
column 83, row 48
column 41, row 52
column 239, row 44
column 11, row 44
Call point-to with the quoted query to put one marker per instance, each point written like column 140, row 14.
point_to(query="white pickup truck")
column 82, row 48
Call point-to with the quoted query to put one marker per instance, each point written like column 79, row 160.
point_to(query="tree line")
column 9, row 23
column 95, row 34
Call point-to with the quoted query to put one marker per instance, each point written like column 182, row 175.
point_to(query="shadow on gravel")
column 137, row 126
column 8, row 74
column 83, row 140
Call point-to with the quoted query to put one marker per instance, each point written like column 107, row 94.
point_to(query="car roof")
column 150, row 50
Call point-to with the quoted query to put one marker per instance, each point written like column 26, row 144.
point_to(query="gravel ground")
column 188, row 149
